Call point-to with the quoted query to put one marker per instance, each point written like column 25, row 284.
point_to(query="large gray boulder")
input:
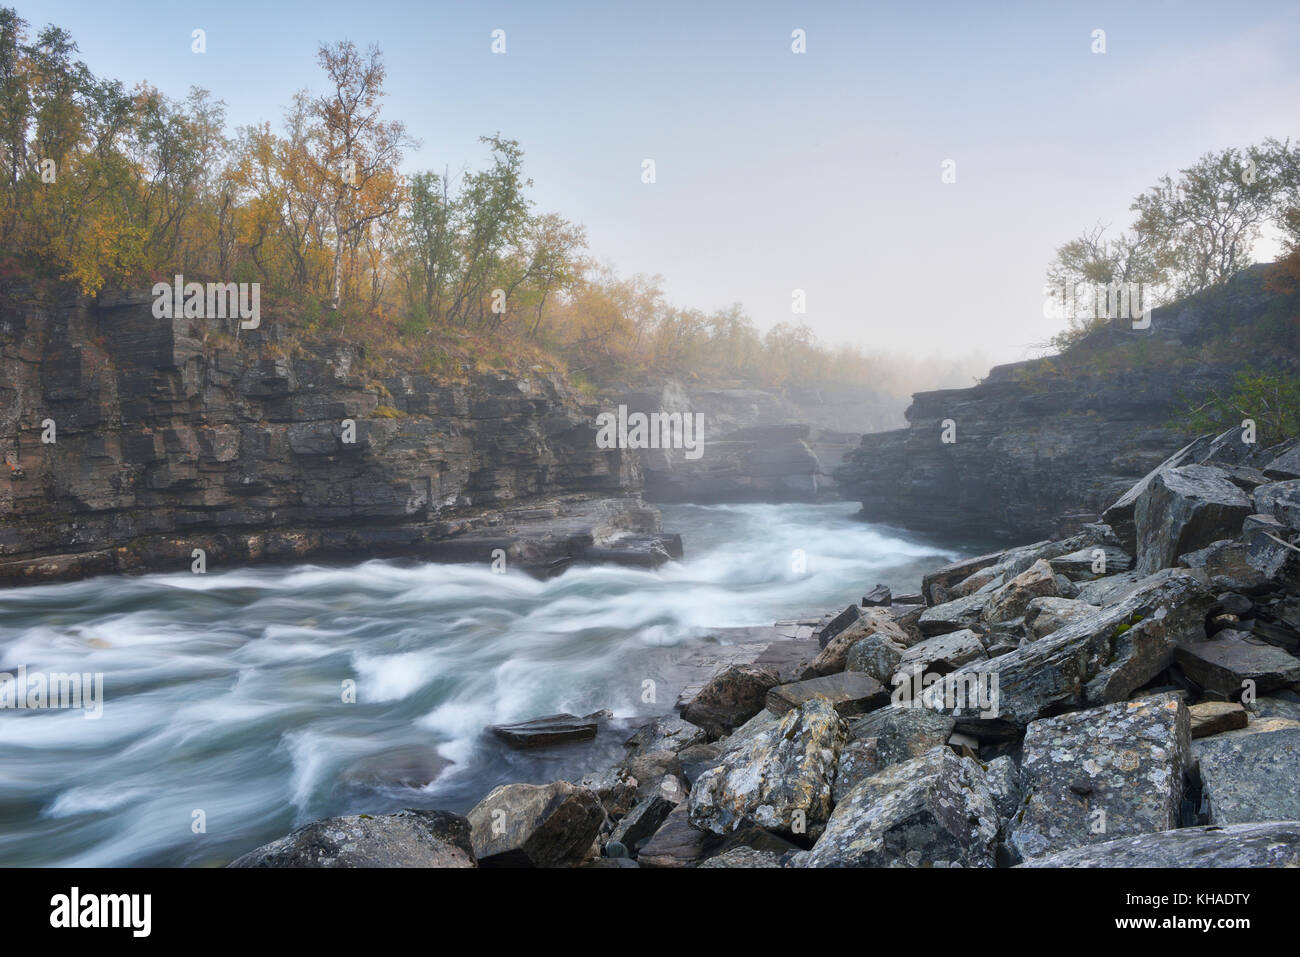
column 1184, row 509
column 952, row 615
column 1046, row 615
column 947, row 651
column 1096, row 660
column 1088, row 564
column 730, row 698
column 1238, row 845
column 1012, row 599
column 1225, row 663
column 1251, row 774
column 779, row 779
column 665, row 733
column 1092, row 776
column 851, row 692
column 932, row 811
column 405, row 839
column 530, row 825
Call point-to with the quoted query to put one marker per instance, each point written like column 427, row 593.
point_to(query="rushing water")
column 223, row 693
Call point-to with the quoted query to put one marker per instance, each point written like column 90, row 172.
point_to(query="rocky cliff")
column 1059, row 437
column 131, row 441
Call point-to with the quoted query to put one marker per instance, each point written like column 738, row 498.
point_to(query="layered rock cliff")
column 130, row 441
column 1061, row 437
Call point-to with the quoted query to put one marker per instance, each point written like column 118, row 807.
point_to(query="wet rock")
column 676, row 844
column 1092, row 776
column 837, row 624
column 1225, row 662
column 1250, row 775
column 952, row 615
column 529, row 825
column 411, row 766
column 932, row 811
column 697, row 759
column 1238, row 845
column 1185, row 509
column 548, row 730
column 666, row 733
column 790, row 658
column 1102, row 658
column 780, row 779
column 731, row 698
column 1215, row 717
column 879, row 595
column 405, row 839
column 1013, row 598
column 1046, row 615
column 851, row 692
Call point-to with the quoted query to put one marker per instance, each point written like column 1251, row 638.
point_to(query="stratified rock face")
column 1031, row 444
column 404, row 839
column 1239, row 845
column 528, row 825
column 933, row 811
column 779, row 779
column 1241, row 771
column 164, row 445
column 1184, row 509
column 1091, row 776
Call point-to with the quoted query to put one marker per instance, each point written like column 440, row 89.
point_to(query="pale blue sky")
column 779, row 171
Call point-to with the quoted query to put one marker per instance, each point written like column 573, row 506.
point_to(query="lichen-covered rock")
column 1251, row 775
column 1102, row 658
column 932, row 811
column 1003, row 780
column 1238, row 845
column 1013, row 598
column 530, row 825
column 1184, row 509
column 877, row 655
column 902, row 732
column 665, row 733
column 730, row 698
column 405, row 839
column 744, row 857
column 1091, row 776
column 780, row 779
column 834, row 657
column 859, row 760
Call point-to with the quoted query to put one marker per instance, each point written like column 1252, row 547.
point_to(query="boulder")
column 951, row 574
column 1215, row 717
column 648, row 815
column 1103, row 591
column 530, row 825
column 780, row 779
column 1225, row 566
column 1238, row 845
column 837, row 624
column 1223, row 664
column 859, row 760
column 834, row 657
column 1088, row 564
column 1275, row 558
column 676, row 844
column 878, row 596
column 952, row 615
column 1046, row 615
column 851, row 692
column 902, row 732
column 877, row 655
column 1012, row 599
column 665, row 733
column 1003, row 780
column 1184, row 509
column 1279, row 499
column 1096, row 660
column 1250, row 775
column 932, row 811
column 548, row 730
column 942, row 653
column 744, row 857
column 405, row 839
column 730, row 698
column 1091, row 776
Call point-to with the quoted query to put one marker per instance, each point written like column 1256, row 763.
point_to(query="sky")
column 779, row 171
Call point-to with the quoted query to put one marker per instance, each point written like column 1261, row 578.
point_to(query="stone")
column 1092, row 776
column 744, row 857
column 1277, row 560
column 1237, row 845
column 529, row 825
column 548, row 730
column 859, row 760
column 1013, row 598
column 878, row 596
column 1088, row 564
column 1102, row 591
column 1096, row 660
column 932, row 811
column 666, row 733
column 952, row 615
column 1046, row 615
column 1285, row 466
column 1226, row 566
column 676, row 844
column 902, row 732
column 979, row 582
column 406, row 839
column 1250, row 775
column 942, row 652
column 837, row 624
column 649, row 814
column 780, row 779
column 730, row 699
column 834, row 656
column 1279, row 499
column 851, row 692
column 877, row 655
column 791, row 657
column 1185, row 509
column 1214, row 717
column 1003, row 780
column 952, row 573
column 1224, row 663
column 1121, row 515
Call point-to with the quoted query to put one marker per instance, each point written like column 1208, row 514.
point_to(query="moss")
column 388, row 412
